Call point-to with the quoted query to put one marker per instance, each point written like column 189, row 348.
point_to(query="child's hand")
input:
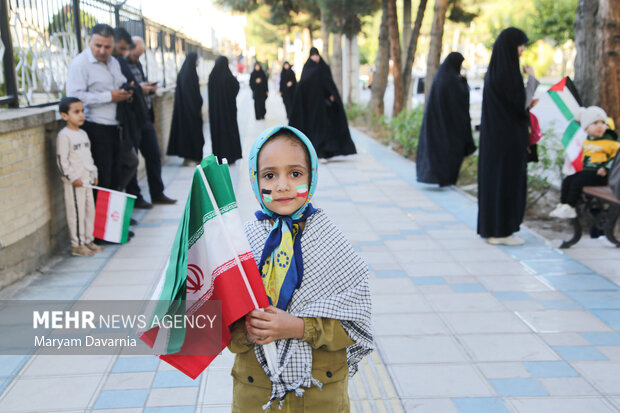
column 77, row 183
column 273, row 324
column 95, row 181
column 601, row 172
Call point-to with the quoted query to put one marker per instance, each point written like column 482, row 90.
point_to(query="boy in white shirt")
column 77, row 168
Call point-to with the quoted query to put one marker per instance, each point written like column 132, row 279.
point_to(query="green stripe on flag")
column 220, row 182
column 569, row 133
column 557, row 99
column 129, row 201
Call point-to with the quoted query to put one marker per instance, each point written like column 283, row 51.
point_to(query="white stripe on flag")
column 116, row 213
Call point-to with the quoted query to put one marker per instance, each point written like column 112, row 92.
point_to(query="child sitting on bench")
column 598, row 153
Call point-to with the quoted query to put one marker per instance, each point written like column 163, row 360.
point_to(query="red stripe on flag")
column 193, row 365
column 578, row 162
column 558, row 87
column 229, row 288
column 101, row 213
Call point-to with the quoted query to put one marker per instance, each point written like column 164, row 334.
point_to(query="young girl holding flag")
column 317, row 286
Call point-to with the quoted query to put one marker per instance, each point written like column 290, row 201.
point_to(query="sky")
column 198, row 19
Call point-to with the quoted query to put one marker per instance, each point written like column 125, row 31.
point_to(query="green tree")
column 263, row 35
column 554, row 21
column 63, row 21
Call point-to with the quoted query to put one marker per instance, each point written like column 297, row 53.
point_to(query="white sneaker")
column 556, row 211
column 511, row 240
column 565, row 212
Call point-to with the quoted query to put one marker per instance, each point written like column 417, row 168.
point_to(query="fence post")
column 10, row 78
column 77, row 24
column 174, row 50
column 146, row 45
column 163, row 56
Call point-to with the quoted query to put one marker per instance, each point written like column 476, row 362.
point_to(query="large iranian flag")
column 566, row 99
column 112, row 215
column 211, row 260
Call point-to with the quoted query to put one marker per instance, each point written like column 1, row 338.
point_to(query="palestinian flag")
column 565, row 96
column 112, row 215
column 211, row 261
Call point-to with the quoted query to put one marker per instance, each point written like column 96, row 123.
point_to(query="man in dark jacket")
column 130, row 114
column 148, row 143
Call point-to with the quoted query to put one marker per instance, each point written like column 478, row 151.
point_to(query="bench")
column 596, row 198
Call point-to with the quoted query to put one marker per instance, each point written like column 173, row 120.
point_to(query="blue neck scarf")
column 281, row 263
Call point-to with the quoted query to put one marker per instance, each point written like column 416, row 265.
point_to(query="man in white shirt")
column 95, row 77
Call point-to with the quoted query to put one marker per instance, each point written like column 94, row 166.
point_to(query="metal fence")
column 40, row 37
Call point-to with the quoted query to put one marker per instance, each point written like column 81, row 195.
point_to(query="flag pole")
column 270, row 349
column 109, row 190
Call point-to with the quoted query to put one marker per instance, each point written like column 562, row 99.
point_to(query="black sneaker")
column 99, row 241
column 140, row 203
column 133, row 222
column 164, row 200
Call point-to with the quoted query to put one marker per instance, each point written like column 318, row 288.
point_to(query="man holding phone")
column 94, row 76
column 149, row 146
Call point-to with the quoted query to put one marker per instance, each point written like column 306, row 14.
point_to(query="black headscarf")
column 260, row 73
column 323, row 121
column 288, row 92
column 445, row 135
column 186, row 137
column 502, row 162
column 259, row 90
column 503, row 74
column 223, row 88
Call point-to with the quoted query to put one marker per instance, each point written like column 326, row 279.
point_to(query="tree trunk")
column 382, row 66
column 306, row 42
column 287, row 40
column 337, row 60
column 346, row 69
column 434, row 51
column 411, row 49
column 325, row 37
column 353, row 70
column 395, row 52
column 597, row 64
column 406, row 28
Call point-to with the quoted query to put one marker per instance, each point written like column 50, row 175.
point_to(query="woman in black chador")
column 223, row 88
column 502, row 163
column 445, row 136
column 318, row 111
column 186, row 137
column 260, row 90
column 288, row 84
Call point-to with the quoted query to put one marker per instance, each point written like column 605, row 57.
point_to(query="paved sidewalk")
column 461, row 326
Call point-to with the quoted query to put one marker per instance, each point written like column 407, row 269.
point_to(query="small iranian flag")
column 211, row 260
column 112, row 214
column 565, row 96
column 302, row 191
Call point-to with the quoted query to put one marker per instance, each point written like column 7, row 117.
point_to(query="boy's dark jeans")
column 573, row 184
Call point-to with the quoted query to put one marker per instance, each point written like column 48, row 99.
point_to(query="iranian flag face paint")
column 302, row 191
column 266, row 195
